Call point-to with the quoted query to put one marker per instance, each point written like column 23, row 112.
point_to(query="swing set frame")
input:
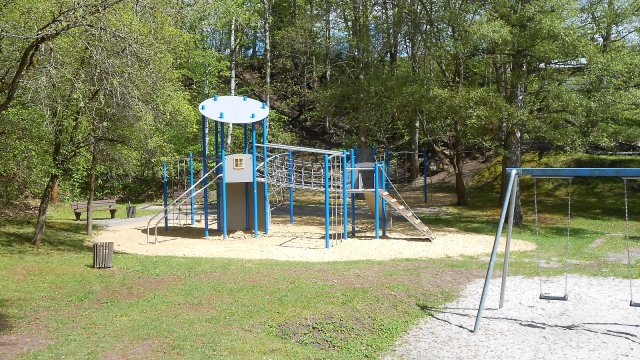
column 507, row 214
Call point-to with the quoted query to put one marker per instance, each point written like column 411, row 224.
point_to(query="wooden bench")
column 80, row 207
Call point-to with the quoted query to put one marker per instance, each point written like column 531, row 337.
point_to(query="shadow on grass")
column 16, row 237
column 5, row 324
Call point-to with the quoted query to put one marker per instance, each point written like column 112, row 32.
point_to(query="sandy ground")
column 302, row 241
column 596, row 323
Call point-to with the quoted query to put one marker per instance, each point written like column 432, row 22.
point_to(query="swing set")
column 507, row 215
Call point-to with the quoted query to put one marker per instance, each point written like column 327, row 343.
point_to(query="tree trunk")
column 232, row 55
column 327, row 53
column 42, row 210
column 92, row 189
column 54, row 193
column 461, row 189
column 512, row 159
column 267, row 51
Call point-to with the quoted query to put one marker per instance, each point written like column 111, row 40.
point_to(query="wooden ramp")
column 408, row 214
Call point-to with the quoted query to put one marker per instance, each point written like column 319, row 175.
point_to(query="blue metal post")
column 345, row 198
column 246, row 185
column 290, row 186
column 373, row 153
column 165, row 194
column 353, row 195
column 384, row 202
column 224, row 194
column 204, row 172
column 376, row 201
column 193, row 207
column 266, row 176
column 425, row 168
column 327, row 227
column 218, row 188
column 255, row 180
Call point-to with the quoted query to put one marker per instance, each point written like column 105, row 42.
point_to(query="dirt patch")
column 633, row 254
column 146, row 349
column 597, row 242
column 16, row 344
column 324, row 333
column 136, row 289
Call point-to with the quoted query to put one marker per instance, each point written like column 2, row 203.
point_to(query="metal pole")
column 205, row 130
column 327, row 227
column 218, row 188
column 266, row 176
column 494, row 251
column 290, row 187
column 376, row 201
column 224, row 193
column 345, row 198
column 353, row 195
column 384, row 202
column 373, row 153
column 246, row 185
column 193, row 207
column 165, row 195
column 505, row 268
column 255, row 180
column 425, row 164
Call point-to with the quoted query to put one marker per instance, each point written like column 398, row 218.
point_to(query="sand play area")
column 595, row 323
column 302, row 241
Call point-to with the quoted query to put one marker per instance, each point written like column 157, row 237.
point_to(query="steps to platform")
column 409, row 215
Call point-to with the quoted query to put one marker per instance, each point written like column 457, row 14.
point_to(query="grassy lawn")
column 202, row 308
column 63, row 212
column 215, row 308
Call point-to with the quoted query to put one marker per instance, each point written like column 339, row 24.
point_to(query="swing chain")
column 535, row 207
column 566, row 259
column 627, row 231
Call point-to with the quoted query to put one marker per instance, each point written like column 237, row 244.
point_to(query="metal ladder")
column 409, row 215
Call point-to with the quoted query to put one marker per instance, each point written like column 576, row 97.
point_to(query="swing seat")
column 545, row 296
column 634, row 303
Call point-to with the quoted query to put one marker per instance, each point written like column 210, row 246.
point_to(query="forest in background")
column 94, row 94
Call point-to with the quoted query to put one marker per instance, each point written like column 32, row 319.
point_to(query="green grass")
column 170, row 307
column 63, row 212
column 202, row 308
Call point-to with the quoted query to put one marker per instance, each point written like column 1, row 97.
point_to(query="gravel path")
column 596, row 323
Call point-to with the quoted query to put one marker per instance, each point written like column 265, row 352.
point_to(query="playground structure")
column 507, row 215
column 247, row 186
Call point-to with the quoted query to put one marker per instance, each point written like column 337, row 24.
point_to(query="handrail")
column 399, row 195
column 166, row 208
column 213, row 181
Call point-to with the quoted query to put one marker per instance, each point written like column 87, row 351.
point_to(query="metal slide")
column 409, row 215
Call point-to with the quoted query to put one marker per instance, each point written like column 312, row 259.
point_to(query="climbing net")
column 307, row 172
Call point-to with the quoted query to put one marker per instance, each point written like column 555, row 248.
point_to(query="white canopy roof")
column 234, row 109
